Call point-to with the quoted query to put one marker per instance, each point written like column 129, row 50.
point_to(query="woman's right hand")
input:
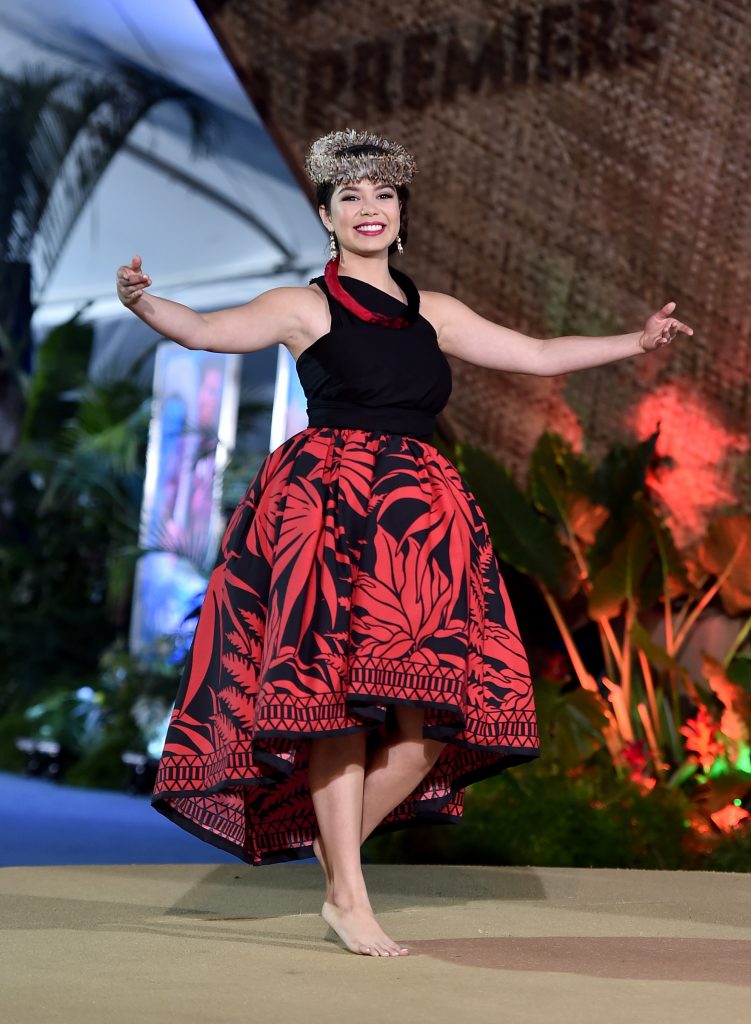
column 131, row 281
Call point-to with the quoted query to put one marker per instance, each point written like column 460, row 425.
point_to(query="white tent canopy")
column 213, row 230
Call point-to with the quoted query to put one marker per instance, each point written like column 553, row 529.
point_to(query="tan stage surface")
column 209, row 944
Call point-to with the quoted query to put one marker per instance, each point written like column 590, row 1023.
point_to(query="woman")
column 356, row 662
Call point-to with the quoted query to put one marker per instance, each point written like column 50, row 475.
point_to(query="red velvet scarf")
column 338, row 292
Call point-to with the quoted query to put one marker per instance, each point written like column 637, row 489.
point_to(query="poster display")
column 192, row 430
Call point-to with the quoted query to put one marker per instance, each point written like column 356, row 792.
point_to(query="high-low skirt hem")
column 355, row 576
column 188, row 808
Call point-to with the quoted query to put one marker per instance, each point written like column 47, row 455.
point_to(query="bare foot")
column 359, row 930
column 320, row 856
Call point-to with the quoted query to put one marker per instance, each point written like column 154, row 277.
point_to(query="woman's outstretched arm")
column 469, row 336
column 277, row 315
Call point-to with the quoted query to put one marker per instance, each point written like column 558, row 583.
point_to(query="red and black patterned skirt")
column 356, row 573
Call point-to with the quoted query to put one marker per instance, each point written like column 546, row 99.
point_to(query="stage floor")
column 210, row 943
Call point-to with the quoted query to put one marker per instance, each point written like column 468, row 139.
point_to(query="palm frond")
column 23, row 100
column 58, row 134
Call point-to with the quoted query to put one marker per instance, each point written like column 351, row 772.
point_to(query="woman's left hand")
column 661, row 328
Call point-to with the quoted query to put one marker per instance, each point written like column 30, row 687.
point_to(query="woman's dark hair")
column 325, row 191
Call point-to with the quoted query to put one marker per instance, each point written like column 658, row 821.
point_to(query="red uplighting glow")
column 729, row 817
column 701, row 446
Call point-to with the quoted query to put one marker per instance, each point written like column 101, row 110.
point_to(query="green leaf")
column 556, row 475
column 62, row 365
column 656, row 653
column 621, row 476
column 669, row 565
column 619, row 580
column 739, row 671
column 521, row 536
column 571, row 723
column 682, row 774
column 729, row 539
column 619, row 485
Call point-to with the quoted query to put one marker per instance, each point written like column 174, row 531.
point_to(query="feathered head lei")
column 350, row 155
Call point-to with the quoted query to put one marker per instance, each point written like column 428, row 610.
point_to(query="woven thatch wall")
column 580, row 164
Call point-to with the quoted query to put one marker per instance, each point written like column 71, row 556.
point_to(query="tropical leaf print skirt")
column 356, row 573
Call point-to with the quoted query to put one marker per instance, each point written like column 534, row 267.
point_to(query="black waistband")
column 392, row 419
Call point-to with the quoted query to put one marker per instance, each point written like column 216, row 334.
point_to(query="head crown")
column 350, row 155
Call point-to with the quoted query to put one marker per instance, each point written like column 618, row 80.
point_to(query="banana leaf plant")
column 599, row 551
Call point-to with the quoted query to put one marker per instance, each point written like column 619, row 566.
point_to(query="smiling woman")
column 357, row 662
column 389, row 205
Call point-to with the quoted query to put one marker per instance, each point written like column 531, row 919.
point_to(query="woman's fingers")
column 671, row 321
column 127, row 276
column 672, row 327
column 130, row 273
column 131, row 281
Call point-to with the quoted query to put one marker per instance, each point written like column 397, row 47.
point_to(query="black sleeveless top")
column 366, row 376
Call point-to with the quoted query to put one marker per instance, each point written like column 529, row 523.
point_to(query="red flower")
column 700, row 733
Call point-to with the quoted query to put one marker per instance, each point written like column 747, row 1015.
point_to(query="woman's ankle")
column 349, row 898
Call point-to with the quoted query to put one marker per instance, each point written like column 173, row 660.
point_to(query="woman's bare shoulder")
column 318, row 307
column 437, row 299
column 303, row 297
column 305, row 302
column 436, row 307
column 312, row 320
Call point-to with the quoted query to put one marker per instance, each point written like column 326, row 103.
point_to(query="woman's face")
column 359, row 204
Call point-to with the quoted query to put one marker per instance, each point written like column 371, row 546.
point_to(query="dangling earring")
column 399, row 246
column 333, row 251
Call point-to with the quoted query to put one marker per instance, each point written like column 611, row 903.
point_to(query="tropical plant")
column 601, row 555
column 70, row 528
column 644, row 762
column 72, row 476
column 69, row 520
column 527, row 816
column 59, row 132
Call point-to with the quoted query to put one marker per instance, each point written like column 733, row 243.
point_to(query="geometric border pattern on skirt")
column 356, row 573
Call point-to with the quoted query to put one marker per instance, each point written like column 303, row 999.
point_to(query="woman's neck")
column 373, row 270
